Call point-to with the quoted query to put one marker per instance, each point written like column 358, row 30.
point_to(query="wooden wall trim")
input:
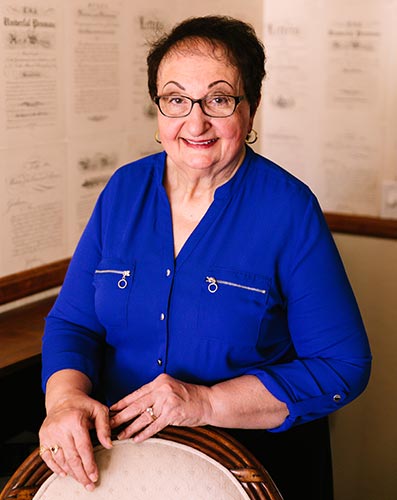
column 19, row 285
column 364, row 226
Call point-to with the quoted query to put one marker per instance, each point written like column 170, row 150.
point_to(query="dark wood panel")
column 21, row 331
column 19, row 285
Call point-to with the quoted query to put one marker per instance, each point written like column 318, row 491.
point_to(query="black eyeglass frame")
column 237, row 100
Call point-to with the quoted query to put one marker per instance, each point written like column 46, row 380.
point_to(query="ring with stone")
column 151, row 413
column 54, row 449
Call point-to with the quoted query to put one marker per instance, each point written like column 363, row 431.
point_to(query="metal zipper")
column 213, row 285
column 122, row 283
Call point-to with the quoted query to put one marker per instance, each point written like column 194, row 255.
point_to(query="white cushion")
column 156, row 469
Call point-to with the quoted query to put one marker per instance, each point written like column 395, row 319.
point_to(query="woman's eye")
column 176, row 100
column 219, row 100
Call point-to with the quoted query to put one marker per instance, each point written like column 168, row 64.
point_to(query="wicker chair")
column 179, row 463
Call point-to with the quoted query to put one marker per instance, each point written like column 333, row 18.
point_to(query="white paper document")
column 31, row 106
column 329, row 107
column 33, row 207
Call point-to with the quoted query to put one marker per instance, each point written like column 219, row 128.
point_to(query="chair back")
column 179, row 463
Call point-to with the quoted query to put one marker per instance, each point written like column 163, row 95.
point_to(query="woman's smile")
column 199, row 144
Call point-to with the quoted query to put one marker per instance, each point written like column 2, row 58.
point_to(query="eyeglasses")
column 216, row 106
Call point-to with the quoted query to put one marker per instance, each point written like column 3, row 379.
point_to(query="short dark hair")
column 238, row 38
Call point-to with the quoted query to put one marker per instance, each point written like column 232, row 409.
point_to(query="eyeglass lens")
column 216, row 105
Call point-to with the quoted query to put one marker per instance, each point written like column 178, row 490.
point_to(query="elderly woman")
column 206, row 288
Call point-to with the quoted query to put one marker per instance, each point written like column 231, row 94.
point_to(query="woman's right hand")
column 65, row 441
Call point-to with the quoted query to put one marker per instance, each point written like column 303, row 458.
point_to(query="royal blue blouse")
column 258, row 288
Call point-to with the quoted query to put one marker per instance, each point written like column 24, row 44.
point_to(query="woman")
column 206, row 288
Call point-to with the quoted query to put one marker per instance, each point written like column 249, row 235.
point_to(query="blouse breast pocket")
column 113, row 282
column 232, row 306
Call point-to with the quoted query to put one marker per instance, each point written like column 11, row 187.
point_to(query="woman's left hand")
column 164, row 401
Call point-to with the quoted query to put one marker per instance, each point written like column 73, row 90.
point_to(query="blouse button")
column 159, row 362
column 337, row 398
column 162, row 316
column 168, row 272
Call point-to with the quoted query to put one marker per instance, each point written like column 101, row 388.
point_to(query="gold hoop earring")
column 157, row 137
column 251, row 137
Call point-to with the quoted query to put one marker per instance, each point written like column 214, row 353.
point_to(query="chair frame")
column 213, row 442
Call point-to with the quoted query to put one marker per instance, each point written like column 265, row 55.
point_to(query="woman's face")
column 197, row 141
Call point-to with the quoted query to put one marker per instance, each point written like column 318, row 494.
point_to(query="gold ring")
column 42, row 450
column 54, row 449
column 151, row 413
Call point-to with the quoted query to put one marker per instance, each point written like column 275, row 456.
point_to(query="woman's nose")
column 197, row 121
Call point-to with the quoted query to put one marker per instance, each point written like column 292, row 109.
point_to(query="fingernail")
column 90, row 487
column 93, row 477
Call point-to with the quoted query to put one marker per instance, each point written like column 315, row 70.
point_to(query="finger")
column 150, row 430
column 147, row 433
column 81, row 460
column 146, row 420
column 50, row 461
column 67, row 460
column 103, row 429
column 131, row 412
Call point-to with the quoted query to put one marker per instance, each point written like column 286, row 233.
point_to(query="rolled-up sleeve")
column 333, row 360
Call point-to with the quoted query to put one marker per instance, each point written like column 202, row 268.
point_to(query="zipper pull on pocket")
column 212, row 284
column 122, row 283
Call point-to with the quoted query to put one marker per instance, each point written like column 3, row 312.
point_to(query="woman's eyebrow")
column 212, row 84
column 175, row 83
column 219, row 81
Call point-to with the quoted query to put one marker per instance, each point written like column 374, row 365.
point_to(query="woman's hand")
column 164, row 401
column 65, row 442
column 243, row 402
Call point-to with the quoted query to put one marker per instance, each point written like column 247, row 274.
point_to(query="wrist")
column 56, row 401
column 65, row 387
